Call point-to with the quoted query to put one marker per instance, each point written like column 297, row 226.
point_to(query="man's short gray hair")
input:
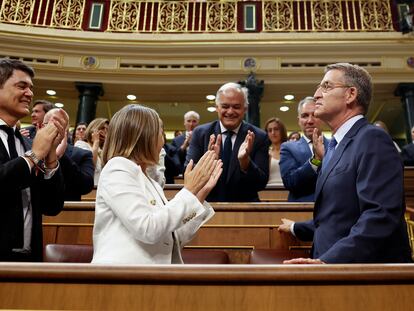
column 357, row 77
column 190, row 114
column 233, row 86
column 304, row 101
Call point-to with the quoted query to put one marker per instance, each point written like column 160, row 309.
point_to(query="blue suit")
column 359, row 201
column 237, row 186
column 297, row 173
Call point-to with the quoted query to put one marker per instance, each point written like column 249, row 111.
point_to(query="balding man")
column 76, row 163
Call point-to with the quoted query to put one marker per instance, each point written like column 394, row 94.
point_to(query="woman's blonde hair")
column 133, row 134
column 96, row 124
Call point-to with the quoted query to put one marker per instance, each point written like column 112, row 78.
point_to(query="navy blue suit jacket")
column 181, row 154
column 78, row 172
column 237, row 186
column 359, row 201
column 297, row 173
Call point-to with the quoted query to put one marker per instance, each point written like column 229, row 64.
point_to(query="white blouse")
column 274, row 173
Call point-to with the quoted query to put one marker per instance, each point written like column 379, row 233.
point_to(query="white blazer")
column 134, row 222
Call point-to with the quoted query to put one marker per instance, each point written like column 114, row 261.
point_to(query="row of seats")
column 83, row 254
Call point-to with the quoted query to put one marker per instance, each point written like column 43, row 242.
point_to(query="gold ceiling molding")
column 151, row 16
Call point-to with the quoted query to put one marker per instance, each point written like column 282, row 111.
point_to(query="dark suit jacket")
column 181, row 154
column 297, row 173
column 171, row 163
column 32, row 131
column 46, row 198
column 237, row 186
column 407, row 154
column 78, row 171
column 359, row 201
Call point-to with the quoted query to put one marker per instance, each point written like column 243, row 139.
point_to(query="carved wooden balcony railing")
column 204, row 16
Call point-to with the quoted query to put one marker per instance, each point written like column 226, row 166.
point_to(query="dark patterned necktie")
column 10, row 140
column 227, row 151
column 329, row 153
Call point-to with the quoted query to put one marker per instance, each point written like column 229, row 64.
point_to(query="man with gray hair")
column 299, row 160
column 242, row 147
column 182, row 142
column 299, row 163
column 359, row 197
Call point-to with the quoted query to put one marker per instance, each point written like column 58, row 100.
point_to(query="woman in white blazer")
column 134, row 222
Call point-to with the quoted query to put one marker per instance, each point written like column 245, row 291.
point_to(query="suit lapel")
column 336, row 157
column 304, row 149
column 4, row 154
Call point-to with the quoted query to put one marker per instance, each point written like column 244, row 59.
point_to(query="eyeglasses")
column 326, row 86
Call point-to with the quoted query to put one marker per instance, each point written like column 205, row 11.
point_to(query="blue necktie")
column 227, row 151
column 329, row 153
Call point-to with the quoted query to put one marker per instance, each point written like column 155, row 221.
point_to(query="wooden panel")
column 228, row 236
column 49, row 234
column 171, row 287
column 236, row 227
column 91, row 196
column 279, row 193
column 409, row 186
column 74, row 235
column 270, row 194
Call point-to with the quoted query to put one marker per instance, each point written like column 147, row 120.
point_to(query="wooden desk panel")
column 193, row 287
column 236, row 227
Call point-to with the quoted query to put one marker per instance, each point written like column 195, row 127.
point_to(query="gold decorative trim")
column 210, row 16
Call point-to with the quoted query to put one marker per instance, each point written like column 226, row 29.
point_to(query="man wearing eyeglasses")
column 359, row 200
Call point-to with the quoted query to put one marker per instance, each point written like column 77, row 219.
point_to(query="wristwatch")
column 40, row 164
column 316, row 162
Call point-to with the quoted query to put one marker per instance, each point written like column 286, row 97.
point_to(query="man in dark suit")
column 182, row 142
column 359, row 200
column 244, row 150
column 76, row 164
column 30, row 186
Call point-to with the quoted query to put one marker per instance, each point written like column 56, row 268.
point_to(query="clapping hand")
column 317, row 143
column 245, row 149
column 215, row 144
column 204, row 174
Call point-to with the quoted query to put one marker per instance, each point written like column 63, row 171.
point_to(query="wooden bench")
column 279, row 193
column 237, row 227
column 276, row 193
column 48, row 286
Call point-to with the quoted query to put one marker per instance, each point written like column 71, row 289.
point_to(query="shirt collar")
column 4, row 123
column 344, row 128
column 223, row 129
column 307, row 139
